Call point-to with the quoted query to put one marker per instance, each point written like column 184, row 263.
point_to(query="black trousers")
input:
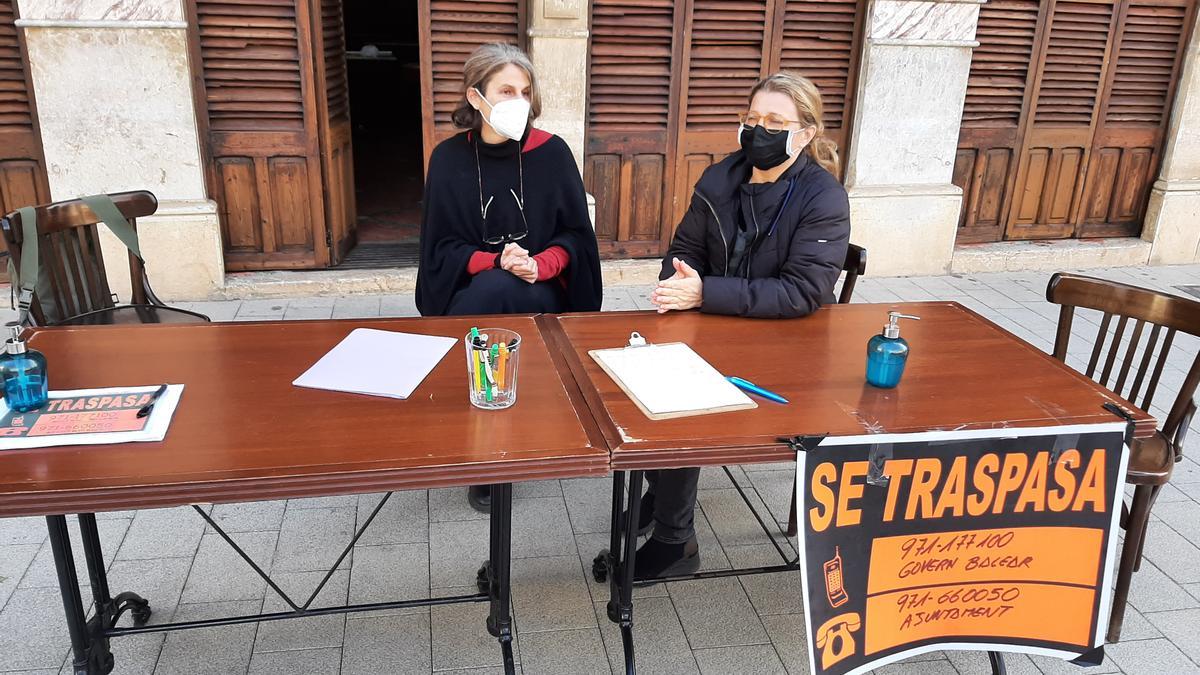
column 674, row 493
column 497, row 291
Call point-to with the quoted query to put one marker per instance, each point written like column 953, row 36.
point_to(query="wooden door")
column 993, row 116
column 627, row 162
column 450, row 31
column 1073, row 65
column 22, row 167
column 667, row 79
column 337, row 156
column 1127, row 149
column 260, row 118
column 726, row 49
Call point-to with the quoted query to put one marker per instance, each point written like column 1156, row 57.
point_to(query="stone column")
column 115, row 105
column 1173, row 214
column 558, row 44
column 912, row 83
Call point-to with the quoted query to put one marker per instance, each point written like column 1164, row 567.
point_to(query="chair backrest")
column 1164, row 314
column 69, row 249
column 855, row 265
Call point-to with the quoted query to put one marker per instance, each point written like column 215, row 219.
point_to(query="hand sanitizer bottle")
column 23, row 372
column 887, row 353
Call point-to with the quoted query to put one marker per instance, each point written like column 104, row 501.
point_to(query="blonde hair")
column 807, row 98
column 479, row 68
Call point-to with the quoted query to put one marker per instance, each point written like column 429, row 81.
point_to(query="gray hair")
column 480, row 66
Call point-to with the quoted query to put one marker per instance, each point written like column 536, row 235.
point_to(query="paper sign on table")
column 90, row 417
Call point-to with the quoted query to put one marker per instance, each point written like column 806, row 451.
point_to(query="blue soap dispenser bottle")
column 887, row 353
column 23, row 371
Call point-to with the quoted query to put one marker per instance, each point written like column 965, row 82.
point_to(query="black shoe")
column 645, row 515
column 480, row 498
column 659, row 559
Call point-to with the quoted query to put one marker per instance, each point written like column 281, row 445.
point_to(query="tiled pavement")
column 431, row 542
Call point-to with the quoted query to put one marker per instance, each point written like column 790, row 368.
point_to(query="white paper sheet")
column 154, row 430
column 671, row 378
column 377, row 362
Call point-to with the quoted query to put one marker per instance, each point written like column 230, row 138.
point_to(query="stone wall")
column 913, row 79
column 115, row 105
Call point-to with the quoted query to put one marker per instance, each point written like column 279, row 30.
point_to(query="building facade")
column 288, row 134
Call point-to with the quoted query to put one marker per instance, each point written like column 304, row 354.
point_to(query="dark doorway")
column 382, row 57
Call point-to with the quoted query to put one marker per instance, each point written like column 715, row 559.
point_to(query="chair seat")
column 1151, row 460
column 134, row 314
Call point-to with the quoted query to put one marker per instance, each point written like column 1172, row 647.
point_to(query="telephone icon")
column 834, row 586
column 834, row 638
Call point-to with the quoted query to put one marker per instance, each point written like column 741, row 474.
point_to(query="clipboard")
column 669, row 380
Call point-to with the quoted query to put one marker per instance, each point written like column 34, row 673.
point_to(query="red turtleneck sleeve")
column 480, row 261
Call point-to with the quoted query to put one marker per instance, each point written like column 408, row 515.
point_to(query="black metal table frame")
column 90, row 637
column 617, row 563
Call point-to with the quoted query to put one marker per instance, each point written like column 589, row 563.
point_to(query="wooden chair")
column 69, row 248
column 854, row 267
column 1151, row 459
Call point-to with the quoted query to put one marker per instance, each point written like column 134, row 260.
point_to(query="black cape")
column 555, row 209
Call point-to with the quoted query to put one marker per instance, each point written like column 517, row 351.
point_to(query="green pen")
column 489, row 381
column 494, row 365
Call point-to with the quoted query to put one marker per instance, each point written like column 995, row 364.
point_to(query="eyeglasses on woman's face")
column 772, row 123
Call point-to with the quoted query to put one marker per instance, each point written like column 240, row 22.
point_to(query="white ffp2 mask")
column 508, row 117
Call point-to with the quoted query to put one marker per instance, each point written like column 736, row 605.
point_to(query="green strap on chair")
column 29, row 279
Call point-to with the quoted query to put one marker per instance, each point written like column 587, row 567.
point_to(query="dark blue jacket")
column 791, row 271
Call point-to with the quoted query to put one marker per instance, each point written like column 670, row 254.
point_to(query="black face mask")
column 765, row 150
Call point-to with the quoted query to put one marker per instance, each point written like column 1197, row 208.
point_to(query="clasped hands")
column 517, row 260
column 683, row 290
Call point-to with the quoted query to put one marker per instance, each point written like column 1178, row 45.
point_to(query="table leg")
column 623, row 555
column 85, row 660
column 997, row 661
column 499, row 621
column 108, row 608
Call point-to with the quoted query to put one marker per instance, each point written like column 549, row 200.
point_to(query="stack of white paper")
column 377, row 362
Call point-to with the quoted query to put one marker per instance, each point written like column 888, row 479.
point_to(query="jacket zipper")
column 720, row 230
column 750, row 253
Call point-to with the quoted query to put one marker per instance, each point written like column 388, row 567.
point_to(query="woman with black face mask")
column 765, row 236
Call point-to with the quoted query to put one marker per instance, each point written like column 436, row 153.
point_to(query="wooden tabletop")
column 243, row 432
column 963, row 372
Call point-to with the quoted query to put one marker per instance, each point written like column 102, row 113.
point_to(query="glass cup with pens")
column 492, row 357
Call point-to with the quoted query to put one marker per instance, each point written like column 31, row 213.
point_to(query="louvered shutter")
column 726, row 50
column 1057, row 144
column 629, row 117
column 455, row 29
column 1127, row 149
column 727, row 41
column 22, row 169
column 257, row 61
column 992, row 113
column 337, row 154
column 820, row 41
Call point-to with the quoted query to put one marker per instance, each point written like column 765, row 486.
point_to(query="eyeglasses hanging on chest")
column 509, row 237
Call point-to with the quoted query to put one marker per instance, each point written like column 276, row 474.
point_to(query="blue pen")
column 755, row 389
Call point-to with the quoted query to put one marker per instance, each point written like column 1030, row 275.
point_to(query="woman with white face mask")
column 765, row 236
column 505, row 226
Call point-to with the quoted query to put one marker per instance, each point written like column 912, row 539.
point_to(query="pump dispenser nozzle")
column 14, row 344
column 892, row 329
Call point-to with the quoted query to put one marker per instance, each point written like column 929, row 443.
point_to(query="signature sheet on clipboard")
column 670, row 380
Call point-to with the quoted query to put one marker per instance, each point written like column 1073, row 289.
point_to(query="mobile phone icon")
column 834, row 587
